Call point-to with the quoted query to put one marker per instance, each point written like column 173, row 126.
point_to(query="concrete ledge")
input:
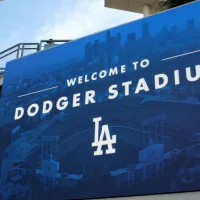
column 176, row 196
column 131, row 5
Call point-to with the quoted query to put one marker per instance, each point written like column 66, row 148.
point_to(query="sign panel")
column 112, row 114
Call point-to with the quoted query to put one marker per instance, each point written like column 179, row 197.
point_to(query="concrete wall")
column 132, row 5
column 178, row 196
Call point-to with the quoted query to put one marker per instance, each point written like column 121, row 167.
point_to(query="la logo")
column 99, row 141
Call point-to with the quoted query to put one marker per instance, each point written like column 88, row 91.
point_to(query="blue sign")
column 112, row 114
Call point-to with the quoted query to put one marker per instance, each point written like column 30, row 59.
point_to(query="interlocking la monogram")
column 99, row 142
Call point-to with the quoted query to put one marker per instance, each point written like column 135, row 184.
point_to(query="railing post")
column 22, row 50
column 18, row 50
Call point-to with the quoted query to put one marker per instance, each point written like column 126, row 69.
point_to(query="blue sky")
column 34, row 20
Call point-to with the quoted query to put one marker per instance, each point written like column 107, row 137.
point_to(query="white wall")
column 178, row 196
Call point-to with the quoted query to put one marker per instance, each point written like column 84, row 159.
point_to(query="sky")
column 35, row 20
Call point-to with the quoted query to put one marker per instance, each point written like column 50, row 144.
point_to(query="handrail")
column 9, row 48
column 19, row 49
column 55, row 41
column 17, row 46
column 8, row 53
column 15, row 52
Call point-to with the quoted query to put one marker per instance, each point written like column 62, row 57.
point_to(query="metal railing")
column 23, row 49
column 16, row 51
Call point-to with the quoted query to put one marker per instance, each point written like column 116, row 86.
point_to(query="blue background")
column 163, row 123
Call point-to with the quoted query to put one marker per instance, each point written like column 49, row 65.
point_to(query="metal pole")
column 22, row 50
column 40, row 45
column 18, row 49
